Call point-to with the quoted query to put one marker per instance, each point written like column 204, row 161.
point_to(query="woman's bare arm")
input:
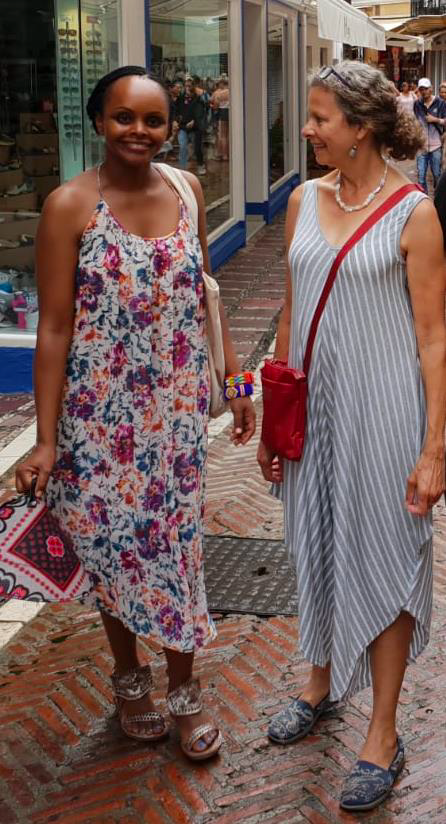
column 56, row 259
column 426, row 272
column 242, row 408
column 270, row 465
column 283, row 330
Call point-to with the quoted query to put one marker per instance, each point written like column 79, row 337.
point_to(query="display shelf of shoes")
column 44, row 184
column 13, row 225
column 39, row 165
column 17, row 243
column 15, row 203
column 11, row 177
column 37, row 120
column 5, row 152
column 16, row 258
column 47, row 140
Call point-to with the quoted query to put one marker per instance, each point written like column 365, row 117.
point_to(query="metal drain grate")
column 249, row 575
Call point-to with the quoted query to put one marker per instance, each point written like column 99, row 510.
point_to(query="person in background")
column 190, row 119
column 442, row 94
column 205, row 98
column 414, row 88
column 430, row 111
column 174, row 90
column 406, row 98
column 220, row 104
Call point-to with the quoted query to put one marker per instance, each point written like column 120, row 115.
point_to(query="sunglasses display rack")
column 70, row 116
column 94, row 67
column 93, row 53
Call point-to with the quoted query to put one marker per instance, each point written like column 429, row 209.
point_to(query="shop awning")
column 407, row 42
column 427, row 24
column 390, row 25
column 339, row 21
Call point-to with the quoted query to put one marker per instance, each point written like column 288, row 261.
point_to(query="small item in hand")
column 37, row 559
column 284, row 409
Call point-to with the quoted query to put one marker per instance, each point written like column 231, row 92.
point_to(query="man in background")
column 431, row 113
column 190, row 118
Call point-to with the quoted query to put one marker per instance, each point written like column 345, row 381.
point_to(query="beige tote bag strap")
column 183, row 187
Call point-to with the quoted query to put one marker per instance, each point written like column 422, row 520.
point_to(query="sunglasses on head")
column 327, row 71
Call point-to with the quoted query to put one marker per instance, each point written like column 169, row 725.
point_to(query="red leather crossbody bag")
column 285, row 389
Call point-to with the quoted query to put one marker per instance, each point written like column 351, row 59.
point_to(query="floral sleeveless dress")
column 129, row 480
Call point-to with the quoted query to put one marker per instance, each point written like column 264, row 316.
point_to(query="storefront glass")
column 190, row 50
column 51, row 54
column 29, row 150
column 278, row 98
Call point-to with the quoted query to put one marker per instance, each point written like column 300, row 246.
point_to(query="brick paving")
column 62, row 756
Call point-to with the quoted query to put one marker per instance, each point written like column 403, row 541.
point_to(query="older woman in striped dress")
column 358, row 504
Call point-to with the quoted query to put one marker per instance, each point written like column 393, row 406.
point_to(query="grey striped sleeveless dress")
column 361, row 558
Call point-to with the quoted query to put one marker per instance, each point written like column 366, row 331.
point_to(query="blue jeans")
column 426, row 159
column 183, row 139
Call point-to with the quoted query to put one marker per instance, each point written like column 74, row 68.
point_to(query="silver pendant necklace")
column 369, row 197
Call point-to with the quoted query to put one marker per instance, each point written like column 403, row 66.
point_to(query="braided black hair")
column 95, row 104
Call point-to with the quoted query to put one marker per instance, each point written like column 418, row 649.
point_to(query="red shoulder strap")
column 360, row 232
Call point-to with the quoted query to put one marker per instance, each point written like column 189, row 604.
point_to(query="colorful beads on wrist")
column 240, row 378
column 242, row 390
column 239, row 385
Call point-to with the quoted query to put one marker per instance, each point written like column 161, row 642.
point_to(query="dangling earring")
column 353, row 151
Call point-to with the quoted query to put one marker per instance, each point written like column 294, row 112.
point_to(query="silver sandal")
column 186, row 700
column 131, row 686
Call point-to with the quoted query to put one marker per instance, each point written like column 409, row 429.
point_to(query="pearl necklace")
column 369, row 197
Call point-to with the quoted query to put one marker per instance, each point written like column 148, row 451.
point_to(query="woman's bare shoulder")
column 73, row 201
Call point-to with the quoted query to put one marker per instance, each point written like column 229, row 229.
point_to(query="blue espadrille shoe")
column 296, row 721
column 368, row 785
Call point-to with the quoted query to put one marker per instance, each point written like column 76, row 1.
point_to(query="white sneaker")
column 202, row 170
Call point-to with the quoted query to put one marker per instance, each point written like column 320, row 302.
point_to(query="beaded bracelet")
column 240, row 391
column 239, row 379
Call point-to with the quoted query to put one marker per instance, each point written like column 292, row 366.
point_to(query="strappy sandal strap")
column 146, row 716
column 198, row 733
column 134, row 684
column 185, row 699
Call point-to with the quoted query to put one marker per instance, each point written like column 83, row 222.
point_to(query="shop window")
column 190, row 50
column 29, row 150
column 51, row 55
column 278, row 102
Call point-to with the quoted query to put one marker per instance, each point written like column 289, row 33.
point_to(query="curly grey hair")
column 369, row 99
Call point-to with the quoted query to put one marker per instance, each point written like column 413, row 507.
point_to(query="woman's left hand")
column 425, row 483
column 244, row 420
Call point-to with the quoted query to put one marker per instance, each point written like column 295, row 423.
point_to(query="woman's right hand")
column 38, row 464
column 270, row 464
